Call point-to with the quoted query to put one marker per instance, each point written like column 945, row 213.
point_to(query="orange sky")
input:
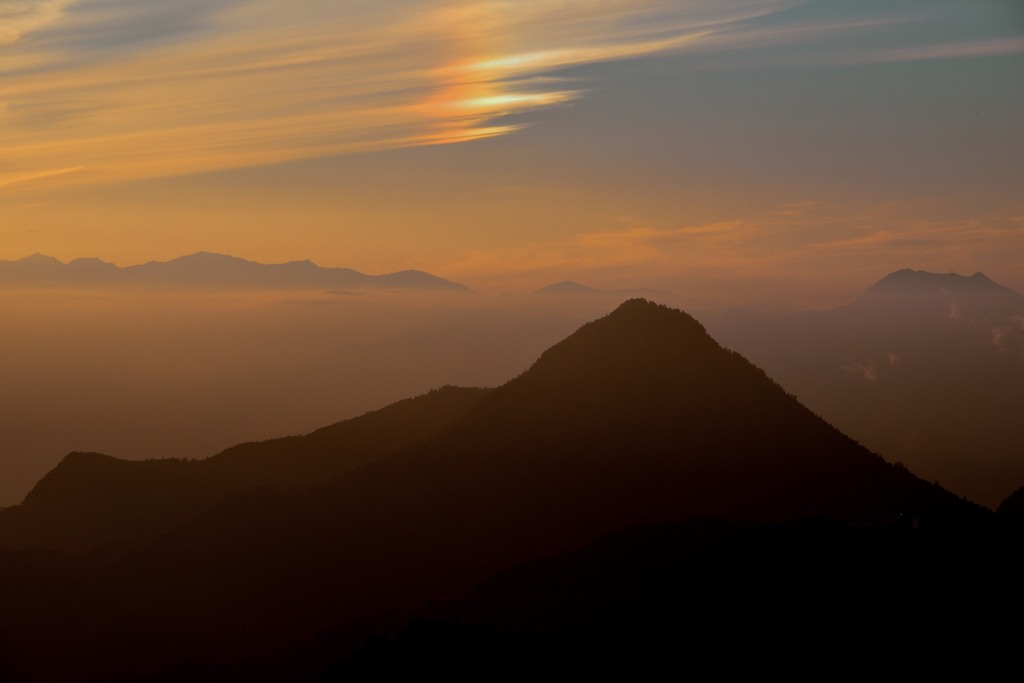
column 740, row 149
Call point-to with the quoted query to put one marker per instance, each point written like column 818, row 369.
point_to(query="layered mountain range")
column 925, row 368
column 204, row 269
column 292, row 558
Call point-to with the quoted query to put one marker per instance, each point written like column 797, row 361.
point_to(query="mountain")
column 1013, row 506
column 636, row 420
column 908, row 282
column 90, row 500
column 204, row 269
column 925, row 368
column 569, row 288
column 798, row 597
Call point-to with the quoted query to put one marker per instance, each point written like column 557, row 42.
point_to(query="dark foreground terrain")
column 639, row 498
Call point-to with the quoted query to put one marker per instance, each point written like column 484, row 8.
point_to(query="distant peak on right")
column 908, row 281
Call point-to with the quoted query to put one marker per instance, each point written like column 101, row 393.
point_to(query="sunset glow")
column 601, row 117
column 254, row 85
column 467, row 339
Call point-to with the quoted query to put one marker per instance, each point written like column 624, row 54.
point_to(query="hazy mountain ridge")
column 926, row 368
column 910, row 281
column 143, row 373
column 638, row 418
column 570, row 288
column 204, row 269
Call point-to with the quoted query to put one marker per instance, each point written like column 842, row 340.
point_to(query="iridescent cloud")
column 109, row 90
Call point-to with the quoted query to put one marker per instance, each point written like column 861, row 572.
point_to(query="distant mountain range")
column 578, row 492
column 926, row 368
column 570, row 288
column 206, row 270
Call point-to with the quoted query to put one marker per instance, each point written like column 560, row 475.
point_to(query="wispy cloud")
column 20, row 17
column 128, row 89
column 862, row 34
column 951, row 50
column 15, row 178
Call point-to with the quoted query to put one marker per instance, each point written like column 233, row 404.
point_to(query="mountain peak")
column 908, row 281
column 982, row 278
column 209, row 257
column 640, row 327
column 645, row 402
column 641, row 352
column 568, row 287
column 640, row 306
column 571, row 288
column 38, row 259
column 644, row 316
column 77, row 472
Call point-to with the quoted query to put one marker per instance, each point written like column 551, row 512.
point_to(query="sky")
column 737, row 150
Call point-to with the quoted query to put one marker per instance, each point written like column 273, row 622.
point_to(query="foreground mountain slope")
column 90, row 499
column 740, row 598
column 638, row 418
column 925, row 368
column 1013, row 506
column 647, row 395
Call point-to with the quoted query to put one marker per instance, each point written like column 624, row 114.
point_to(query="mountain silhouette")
column 910, row 282
column 639, row 418
column 204, row 269
column 925, row 368
column 91, row 500
column 1013, row 506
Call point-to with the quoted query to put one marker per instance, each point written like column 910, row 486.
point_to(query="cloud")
column 129, row 89
column 112, row 27
column 800, row 242
column 954, row 50
column 15, row 178
column 865, row 370
column 998, row 337
column 20, row 17
column 829, row 35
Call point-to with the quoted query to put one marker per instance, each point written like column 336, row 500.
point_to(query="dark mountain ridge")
column 204, row 269
column 639, row 418
column 90, row 500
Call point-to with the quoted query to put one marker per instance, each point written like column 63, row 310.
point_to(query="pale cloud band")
column 955, row 50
